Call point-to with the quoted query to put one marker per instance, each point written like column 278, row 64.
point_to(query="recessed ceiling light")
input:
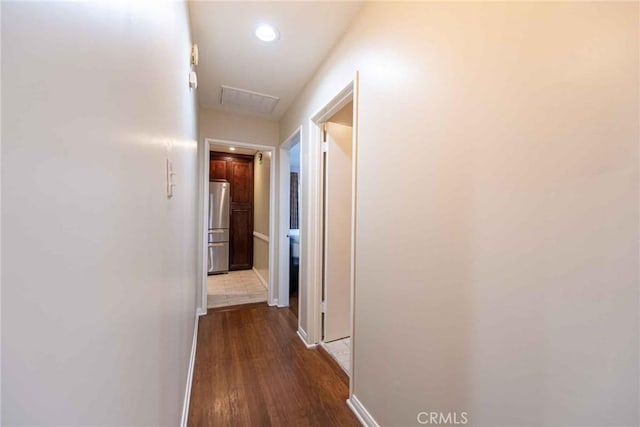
column 232, row 148
column 267, row 33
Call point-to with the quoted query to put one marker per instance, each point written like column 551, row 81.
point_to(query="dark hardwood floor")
column 252, row 369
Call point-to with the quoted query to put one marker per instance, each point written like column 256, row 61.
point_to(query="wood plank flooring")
column 252, row 369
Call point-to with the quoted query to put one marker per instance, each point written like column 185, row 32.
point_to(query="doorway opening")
column 238, row 218
column 337, row 149
column 290, row 222
column 334, row 142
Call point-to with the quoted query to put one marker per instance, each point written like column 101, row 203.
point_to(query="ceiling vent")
column 248, row 100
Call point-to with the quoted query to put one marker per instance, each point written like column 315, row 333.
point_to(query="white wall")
column 99, row 277
column 497, row 209
column 235, row 127
column 261, row 181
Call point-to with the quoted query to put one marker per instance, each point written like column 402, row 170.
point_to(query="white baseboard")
column 361, row 412
column 303, row 336
column 273, row 302
column 264, row 282
column 192, row 361
column 200, row 311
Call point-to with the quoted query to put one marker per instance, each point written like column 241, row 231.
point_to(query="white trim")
column 283, row 230
column 288, row 143
column 273, row 227
column 354, row 213
column 200, row 312
column 315, row 208
column 192, row 361
column 273, row 220
column 335, row 104
column 264, row 282
column 361, row 412
column 313, row 250
column 273, row 303
column 261, row 236
column 303, row 336
column 203, row 147
column 283, row 227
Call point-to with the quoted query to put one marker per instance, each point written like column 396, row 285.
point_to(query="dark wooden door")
column 218, row 170
column 241, row 231
column 238, row 171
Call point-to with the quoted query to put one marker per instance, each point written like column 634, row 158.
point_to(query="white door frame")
column 315, row 211
column 203, row 197
column 283, row 236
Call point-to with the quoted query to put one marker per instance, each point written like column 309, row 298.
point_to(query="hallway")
column 445, row 195
column 252, row 369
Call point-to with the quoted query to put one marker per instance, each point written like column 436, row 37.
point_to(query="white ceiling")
column 230, row 54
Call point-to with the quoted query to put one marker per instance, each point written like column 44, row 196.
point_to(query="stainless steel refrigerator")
column 218, row 248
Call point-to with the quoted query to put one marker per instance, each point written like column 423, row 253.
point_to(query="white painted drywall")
column 337, row 224
column 99, row 268
column 261, row 179
column 236, row 127
column 497, row 209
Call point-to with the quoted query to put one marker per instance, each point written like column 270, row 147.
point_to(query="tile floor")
column 234, row 288
column 340, row 350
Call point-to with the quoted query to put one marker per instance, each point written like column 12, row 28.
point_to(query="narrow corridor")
column 251, row 369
